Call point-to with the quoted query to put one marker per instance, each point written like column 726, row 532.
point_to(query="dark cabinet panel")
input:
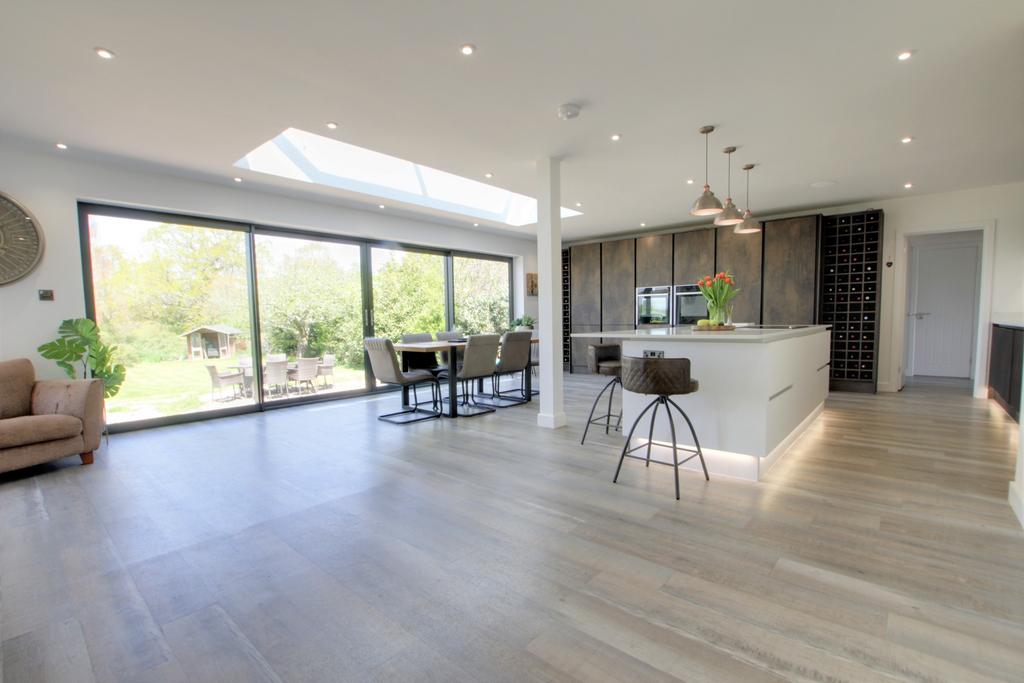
column 585, row 285
column 579, row 347
column 790, row 267
column 741, row 256
column 1004, row 367
column 618, row 282
column 654, row 260
column 694, row 255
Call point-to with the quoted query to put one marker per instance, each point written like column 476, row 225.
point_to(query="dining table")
column 452, row 348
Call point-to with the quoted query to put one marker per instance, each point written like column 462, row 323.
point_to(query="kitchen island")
column 760, row 388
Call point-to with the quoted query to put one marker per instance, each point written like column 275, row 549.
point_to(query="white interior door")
column 942, row 309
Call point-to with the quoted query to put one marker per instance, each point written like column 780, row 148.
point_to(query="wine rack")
column 566, row 322
column 851, row 260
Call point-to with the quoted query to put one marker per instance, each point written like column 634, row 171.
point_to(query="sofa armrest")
column 81, row 398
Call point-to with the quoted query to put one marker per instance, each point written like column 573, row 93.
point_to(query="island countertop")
column 745, row 335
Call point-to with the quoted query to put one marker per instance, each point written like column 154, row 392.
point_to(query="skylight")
column 311, row 158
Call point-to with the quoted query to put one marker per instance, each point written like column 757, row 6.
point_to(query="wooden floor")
column 317, row 544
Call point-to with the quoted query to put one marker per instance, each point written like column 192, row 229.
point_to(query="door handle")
column 919, row 316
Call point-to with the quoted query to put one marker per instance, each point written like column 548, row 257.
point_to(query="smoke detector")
column 568, row 111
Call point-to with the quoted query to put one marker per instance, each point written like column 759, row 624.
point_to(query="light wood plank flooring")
column 317, row 544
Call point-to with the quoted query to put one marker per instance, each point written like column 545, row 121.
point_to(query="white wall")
column 50, row 184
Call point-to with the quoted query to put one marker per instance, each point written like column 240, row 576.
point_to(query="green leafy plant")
column 525, row 321
column 79, row 344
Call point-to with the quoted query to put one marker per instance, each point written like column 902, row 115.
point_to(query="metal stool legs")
column 607, row 417
column 668, row 404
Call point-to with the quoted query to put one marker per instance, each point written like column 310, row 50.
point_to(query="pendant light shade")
column 707, row 203
column 729, row 215
column 749, row 224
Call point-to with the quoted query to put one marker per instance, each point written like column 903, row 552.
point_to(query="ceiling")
column 809, row 91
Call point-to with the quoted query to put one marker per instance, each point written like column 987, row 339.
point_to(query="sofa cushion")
column 16, row 380
column 30, row 429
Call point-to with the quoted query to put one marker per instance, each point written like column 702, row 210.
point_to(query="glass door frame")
column 260, row 404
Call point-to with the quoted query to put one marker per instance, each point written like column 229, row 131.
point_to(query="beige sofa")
column 46, row 420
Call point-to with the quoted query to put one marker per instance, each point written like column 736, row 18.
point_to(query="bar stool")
column 662, row 378
column 604, row 359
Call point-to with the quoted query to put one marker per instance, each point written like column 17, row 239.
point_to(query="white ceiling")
column 807, row 90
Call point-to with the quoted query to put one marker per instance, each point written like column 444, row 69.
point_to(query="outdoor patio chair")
column 219, row 380
column 326, row 369
column 305, row 373
column 276, row 377
column 274, row 357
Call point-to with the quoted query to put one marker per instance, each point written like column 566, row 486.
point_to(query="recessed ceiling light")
column 332, row 125
column 104, row 53
column 907, row 140
column 643, row 225
column 689, row 181
column 908, row 185
column 579, row 204
column 616, row 137
column 823, row 183
column 380, row 206
column 488, row 175
column 61, row 145
column 237, row 179
column 468, row 49
column 476, row 225
column 905, row 55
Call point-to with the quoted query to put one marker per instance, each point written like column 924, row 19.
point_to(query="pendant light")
column 707, row 204
column 730, row 215
column 750, row 224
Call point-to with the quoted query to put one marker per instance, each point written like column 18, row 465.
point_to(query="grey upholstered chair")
column 661, row 378
column 421, row 361
column 604, row 359
column 384, row 363
column 451, row 335
column 220, row 380
column 515, row 357
column 480, row 358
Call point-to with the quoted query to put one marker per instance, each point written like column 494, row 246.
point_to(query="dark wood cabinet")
column 1004, row 367
column 740, row 255
column 653, row 260
column 790, row 271
column 694, row 255
column 618, row 284
column 584, row 298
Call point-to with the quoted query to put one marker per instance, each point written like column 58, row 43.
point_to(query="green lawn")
column 175, row 387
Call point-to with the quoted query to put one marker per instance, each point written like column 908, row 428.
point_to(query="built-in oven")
column 653, row 306
column 690, row 305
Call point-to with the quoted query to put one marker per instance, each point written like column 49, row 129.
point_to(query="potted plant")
column 79, row 345
column 719, row 291
column 525, row 322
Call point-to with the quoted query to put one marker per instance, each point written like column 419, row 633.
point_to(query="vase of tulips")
column 719, row 291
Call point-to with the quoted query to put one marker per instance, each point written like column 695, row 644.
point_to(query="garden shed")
column 211, row 341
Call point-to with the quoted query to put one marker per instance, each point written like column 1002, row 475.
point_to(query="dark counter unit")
column 1004, row 367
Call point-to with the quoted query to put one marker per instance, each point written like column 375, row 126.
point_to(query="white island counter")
column 759, row 389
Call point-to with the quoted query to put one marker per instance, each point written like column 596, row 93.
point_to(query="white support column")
column 549, row 266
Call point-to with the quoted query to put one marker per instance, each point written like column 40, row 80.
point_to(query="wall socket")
column 46, row 295
column 653, row 354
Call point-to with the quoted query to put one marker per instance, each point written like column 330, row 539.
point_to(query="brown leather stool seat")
column 661, row 378
column 604, row 359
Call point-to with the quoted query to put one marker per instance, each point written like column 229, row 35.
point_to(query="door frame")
column 913, row 289
column 899, row 303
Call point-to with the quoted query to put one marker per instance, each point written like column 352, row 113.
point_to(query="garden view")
column 175, row 300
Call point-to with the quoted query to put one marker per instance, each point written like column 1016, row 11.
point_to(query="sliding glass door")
column 310, row 294
column 213, row 316
column 174, row 299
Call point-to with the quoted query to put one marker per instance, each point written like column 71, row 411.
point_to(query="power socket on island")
column 653, row 354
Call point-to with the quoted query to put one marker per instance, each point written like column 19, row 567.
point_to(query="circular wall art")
column 21, row 241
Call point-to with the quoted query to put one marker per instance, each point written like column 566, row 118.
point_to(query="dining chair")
column 274, row 357
column 386, row 369
column 326, row 369
column 219, row 380
column 304, row 373
column 276, row 377
column 451, row 335
column 480, row 358
column 420, row 361
column 515, row 358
